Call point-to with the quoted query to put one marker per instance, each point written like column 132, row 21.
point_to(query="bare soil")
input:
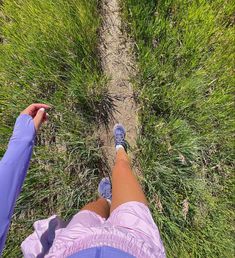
column 119, row 66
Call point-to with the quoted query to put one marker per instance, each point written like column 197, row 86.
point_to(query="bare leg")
column 101, row 207
column 125, row 186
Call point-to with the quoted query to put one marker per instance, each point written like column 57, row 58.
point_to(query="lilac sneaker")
column 119, row 136
column 105, row 189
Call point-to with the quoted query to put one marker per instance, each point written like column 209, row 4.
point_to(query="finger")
column 38, row 119
column 45, row 118
column 40, row 105
column 33, row 108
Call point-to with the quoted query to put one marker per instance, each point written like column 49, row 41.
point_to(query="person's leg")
column 125, row 186
column 100, row 206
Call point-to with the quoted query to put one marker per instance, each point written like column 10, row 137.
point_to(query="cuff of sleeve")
column 24, row 128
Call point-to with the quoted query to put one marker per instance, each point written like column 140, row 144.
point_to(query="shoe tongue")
column 120, row 135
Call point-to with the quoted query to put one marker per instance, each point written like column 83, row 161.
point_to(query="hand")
column 38, row 113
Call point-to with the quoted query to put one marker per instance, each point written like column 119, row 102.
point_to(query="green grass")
column 48, row 53
column 185, row 53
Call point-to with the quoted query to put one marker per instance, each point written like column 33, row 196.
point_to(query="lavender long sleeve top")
column 13, row 169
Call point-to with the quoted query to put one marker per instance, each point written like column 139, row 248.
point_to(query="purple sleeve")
column 13, row 169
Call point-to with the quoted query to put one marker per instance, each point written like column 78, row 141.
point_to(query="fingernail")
column 42, row 109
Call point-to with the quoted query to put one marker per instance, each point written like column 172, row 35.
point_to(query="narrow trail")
column 119, row 66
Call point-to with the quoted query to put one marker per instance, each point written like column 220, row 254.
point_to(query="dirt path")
column 118, row 64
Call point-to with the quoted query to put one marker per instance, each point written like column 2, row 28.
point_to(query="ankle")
column 118, row 147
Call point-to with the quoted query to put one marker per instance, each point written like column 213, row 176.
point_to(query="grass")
column 185, row 54
column 48, row 53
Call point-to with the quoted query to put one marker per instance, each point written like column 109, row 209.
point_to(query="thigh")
column 100, row 207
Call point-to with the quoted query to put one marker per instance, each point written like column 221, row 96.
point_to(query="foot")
column 119, row 136
column 105, row 189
